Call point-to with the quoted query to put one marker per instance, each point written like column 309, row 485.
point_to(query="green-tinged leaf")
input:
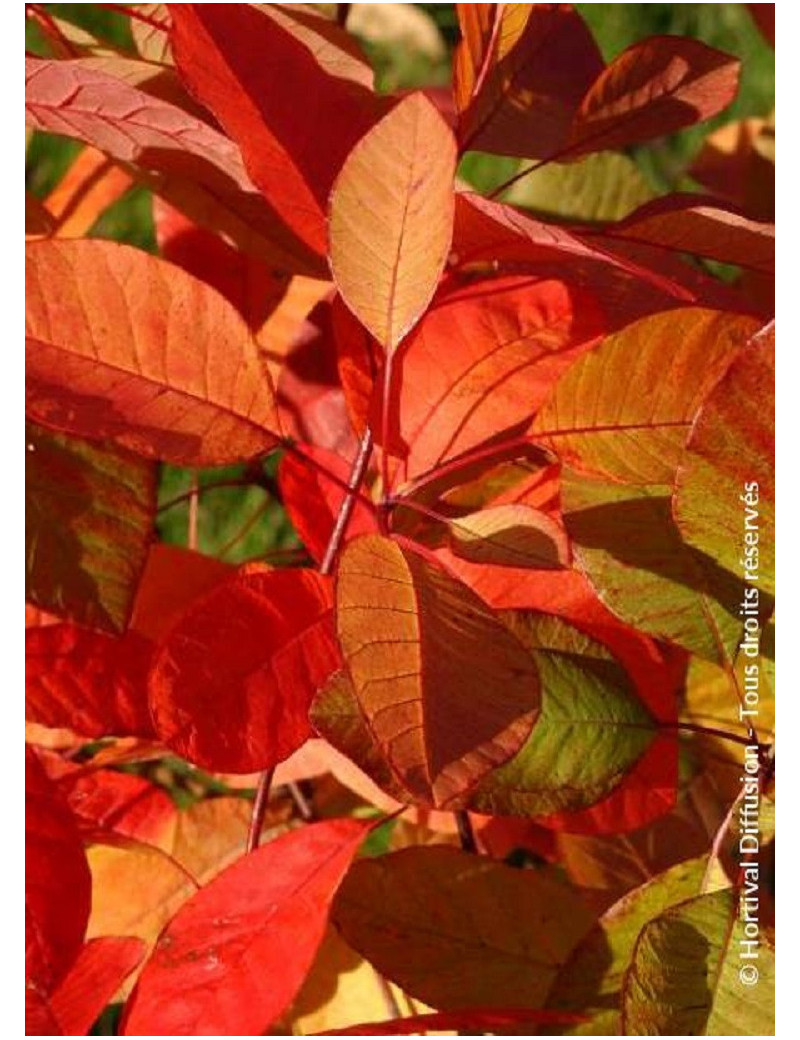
column 687, row 976
column 591, row 731
column 89, row 512
column 605, row 186
column 624, row 410
column 391, row 218
column 724, row 501
column 626, row 542
column 458, row 930
column 591, row 980
column 125, row 346
column 446, row 690
column 510, row 536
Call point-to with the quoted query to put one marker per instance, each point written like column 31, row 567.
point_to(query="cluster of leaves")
column 486, row 706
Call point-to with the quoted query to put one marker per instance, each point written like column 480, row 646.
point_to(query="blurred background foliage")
column 411, row 45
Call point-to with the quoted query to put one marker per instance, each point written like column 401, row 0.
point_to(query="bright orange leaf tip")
column 232, row 682
column 492, row 1020
column 391, row 218
column 125, row 346
column 446, row 690
column 235, row 955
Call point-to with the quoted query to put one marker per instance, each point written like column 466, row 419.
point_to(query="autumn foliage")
column 472, row 753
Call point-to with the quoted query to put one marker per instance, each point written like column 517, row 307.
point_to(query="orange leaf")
column 91, row 184
column 391, row 218
column 123, row 345
column 442, row 716
column 231, row 684
column 262, row 919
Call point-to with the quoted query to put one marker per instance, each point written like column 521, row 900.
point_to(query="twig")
column 465, row 832
column 357, row 474
column 259, row 810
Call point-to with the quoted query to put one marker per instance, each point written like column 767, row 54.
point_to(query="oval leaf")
column 120, row 344
column 457, row 930
column 233, row 958
column 447, row 692
column 391, row 218
column 684, row 977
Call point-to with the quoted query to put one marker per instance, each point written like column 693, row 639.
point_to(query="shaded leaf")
column 684, row 979
column 737, row 162
column 123, row 345
column 655, row 87
column 699, row 225
column 231, row 684
column 615, row 414
column 264, row 917
column 391, row 218
column 724, row 499
column 457, row 930
column 441, row 717
column 520, row 73
column 247, row 68
column 599, row 187
column 494, row 1022
column 510, row 536
column 89, row 517
column 591, row 730
column 57, row 882
column 625, row 540
column 90, row 682
column 38, row 218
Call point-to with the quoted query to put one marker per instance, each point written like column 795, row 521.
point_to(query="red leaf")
column 482, row 361
column 231, row 684
column 127, row 804
column 764, row 17
column 252, row 286
column 464, row 1022
column 173, row 577
column 87, row 681
column 312, row 499
column 655, row 87
column 234, row 957
column 293, row 120
column 101, row 968
column 57, row 882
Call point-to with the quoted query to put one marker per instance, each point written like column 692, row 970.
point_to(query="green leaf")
column 626, row 542
column 724, row 501
column 684, row 978
column 600, row 187
column 591, row 980
column 592, row 730
column 89, row 513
